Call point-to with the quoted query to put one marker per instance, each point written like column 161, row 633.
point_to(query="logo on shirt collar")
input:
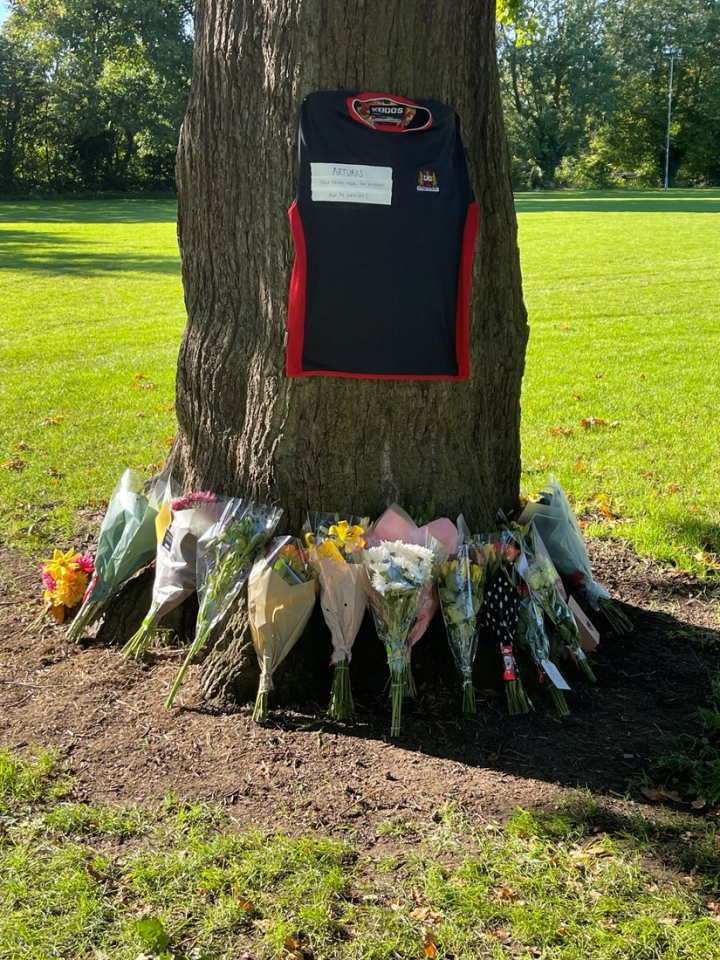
column 427, row 182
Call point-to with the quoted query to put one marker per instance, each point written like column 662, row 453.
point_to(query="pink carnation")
column 86, row 563
column 48, row 582
column 194, row 500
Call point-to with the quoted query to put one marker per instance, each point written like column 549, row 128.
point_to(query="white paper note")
column 350, row 183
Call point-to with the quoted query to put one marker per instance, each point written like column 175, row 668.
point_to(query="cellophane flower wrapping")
column 281, row 597
column 442, row 537
column 336, row 554
column 127, row 542
column 533, row 639
column 398, row 572
column 558, row 526
column 498, row 617
column 225, row 555
column 541, row 579
column 460, row 586
column 175, row 561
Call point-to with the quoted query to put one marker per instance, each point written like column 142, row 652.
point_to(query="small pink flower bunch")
column 194, row 500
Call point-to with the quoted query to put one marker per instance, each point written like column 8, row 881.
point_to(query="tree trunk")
column 322, row 442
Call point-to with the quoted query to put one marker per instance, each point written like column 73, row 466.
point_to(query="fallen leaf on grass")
column 142, row 382
column 699, row 803
column 52, row 421
column 591, row 423
column 21, row 445
column 429, row 941
column 422, row 914
column 560, row 432
column 14, row 463
column 714, row 907
column 648, row 475
column 580, row 465
column 661, row 794
column 674, row 488
column 576, row 396
column 169, row 441
column 507, row 895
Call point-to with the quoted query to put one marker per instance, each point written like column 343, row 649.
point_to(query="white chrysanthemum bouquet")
column 398, row 573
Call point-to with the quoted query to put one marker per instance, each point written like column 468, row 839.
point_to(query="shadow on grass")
column 650, row 201
column 88, row 211
column 33, row 250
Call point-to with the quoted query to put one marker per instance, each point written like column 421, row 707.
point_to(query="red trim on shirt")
column 296, row 305
column 462, row 316
column 296, row 308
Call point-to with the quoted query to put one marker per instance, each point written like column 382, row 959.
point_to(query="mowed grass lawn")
column 623, row 291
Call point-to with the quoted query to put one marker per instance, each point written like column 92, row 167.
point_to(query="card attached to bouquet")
column 589, row 635
column 554, row 674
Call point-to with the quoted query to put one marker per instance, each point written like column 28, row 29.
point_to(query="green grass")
column 182, row 881
column 91, row 296
column 623, row 291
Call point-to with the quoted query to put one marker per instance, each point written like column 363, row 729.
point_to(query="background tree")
column 115, row 79
column 331, row 443
column 557, row 80
column 585, row 91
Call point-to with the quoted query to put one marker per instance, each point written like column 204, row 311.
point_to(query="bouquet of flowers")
column 398, row 573
column 126, row 543
column 281, row 595
column 531, row 637
column 65, row 579
column 554, row 519
column 440, row 536
column 499, row 617
column 225, row 554
column 177, row 529
column 336, row 555
column 461, row 587
column 541, row 576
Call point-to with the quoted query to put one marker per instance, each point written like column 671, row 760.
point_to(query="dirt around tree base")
column 106, row 714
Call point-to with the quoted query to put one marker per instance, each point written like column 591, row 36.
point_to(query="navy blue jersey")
column 384, row 226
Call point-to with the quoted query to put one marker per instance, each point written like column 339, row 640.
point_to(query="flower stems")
column 89, row 612
column 468, row 704
column 587, row 670
column 619, row 621
column 558, row 699
column 517, row 699
column 138, row 644
column 397, row 687
column 409, row 688
column 260, row 713
column 203, row 632
column 341, row 699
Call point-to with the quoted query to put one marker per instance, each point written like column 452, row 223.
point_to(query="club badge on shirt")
column 428, row 182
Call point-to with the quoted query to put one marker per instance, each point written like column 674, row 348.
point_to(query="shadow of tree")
column 650, row 684
column 620, row 201
column 36, row 251
column 88, row 211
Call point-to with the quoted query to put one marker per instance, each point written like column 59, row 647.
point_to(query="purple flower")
column 86, row 563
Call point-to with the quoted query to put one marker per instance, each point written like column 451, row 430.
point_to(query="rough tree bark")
column 330, row 443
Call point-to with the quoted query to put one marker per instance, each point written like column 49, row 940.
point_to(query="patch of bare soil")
column 106, row 714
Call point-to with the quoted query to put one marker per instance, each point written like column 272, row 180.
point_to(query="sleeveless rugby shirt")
column 384, row 226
